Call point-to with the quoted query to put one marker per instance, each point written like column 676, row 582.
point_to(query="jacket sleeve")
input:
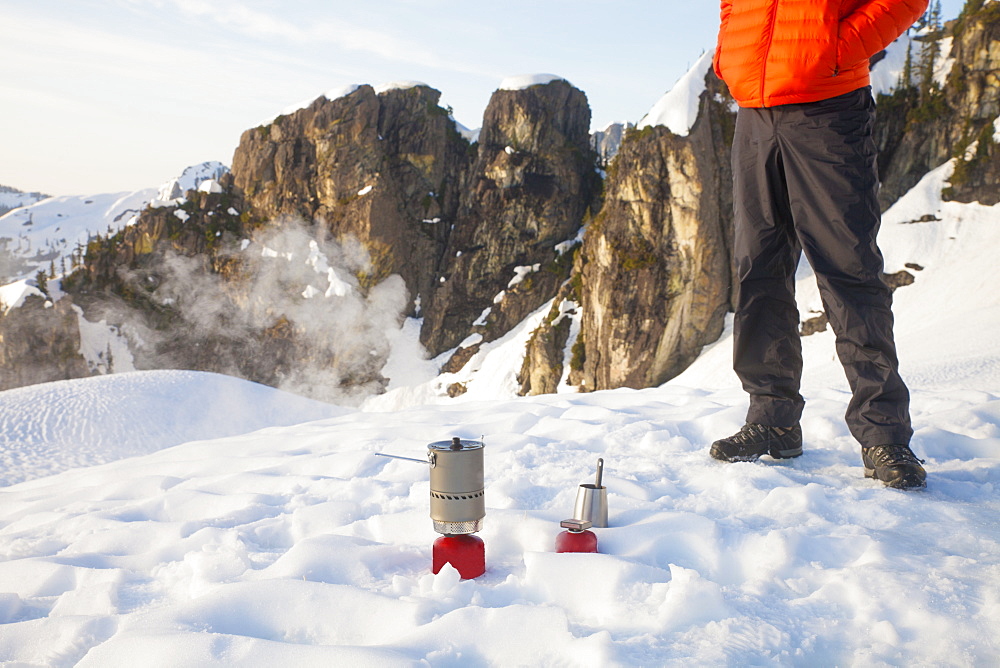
column 727, row 8
column 873, row 26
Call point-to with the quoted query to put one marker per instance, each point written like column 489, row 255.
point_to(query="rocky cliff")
column 532, row 183
column 973, row 96
column 386, row 169
column 474, row 231
column 656, row 267
column 923, row 123
column 40, row 342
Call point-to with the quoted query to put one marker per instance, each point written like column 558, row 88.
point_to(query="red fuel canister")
column 466, row 552
column 576, row 538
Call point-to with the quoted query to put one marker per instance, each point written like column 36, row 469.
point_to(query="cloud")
column 242, row 19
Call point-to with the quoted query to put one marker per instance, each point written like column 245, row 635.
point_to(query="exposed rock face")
column 606, row 142
column 973, row 90
column 203, row 286
column 656, row 261
column 529, row 190
column 917, row 130
column 974, row 94
column 202, row 226
column 386, row 169
column 545, row 354
column 39, row 344
column 137, row 278
column 458, row 225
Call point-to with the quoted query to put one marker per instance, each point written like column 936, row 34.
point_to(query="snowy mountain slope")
column 44, row 236
column 52, row 427
column 297, row 545
column 11, row 198
column 678, row 108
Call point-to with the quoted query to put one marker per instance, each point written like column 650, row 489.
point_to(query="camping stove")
column 458, row 504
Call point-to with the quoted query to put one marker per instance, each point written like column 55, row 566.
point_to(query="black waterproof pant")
column 805, row 179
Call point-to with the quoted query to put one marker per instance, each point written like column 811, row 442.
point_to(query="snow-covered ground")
column 49, row 428
column 296, row 545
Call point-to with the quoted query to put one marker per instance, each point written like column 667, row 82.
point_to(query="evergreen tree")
column 43, row 282
column 930, row 51
column 907, row 75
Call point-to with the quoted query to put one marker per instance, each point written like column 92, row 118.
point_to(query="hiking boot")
column 895, row 465
column 754, row 440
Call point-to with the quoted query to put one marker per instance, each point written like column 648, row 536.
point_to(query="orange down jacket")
column 773, row 52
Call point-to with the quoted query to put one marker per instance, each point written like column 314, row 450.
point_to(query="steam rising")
column 291, row 307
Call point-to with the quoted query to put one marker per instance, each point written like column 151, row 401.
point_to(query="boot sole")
column 776, row 454
column 903, row 482
column 785, row 454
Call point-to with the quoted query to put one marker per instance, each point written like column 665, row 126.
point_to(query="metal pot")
column 458, row 499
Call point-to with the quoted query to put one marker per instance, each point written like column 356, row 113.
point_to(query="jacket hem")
column 804, row 97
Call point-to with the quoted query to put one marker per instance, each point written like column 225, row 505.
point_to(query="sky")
column 101, row 96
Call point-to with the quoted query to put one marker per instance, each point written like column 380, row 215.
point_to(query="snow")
column 944, row 63
column 678, row 109
column 11, row 199
column 103, row 346
column 13, row 294
column 43, row 430
column 568, row 309
column 564, row 247
column 521, row 272
column 481, row 320
column 202, row 177
column 471, row 136
column 180, row 518
column 336, row 286
column 523, row 81
column 332, row 94
column 398, row 85
column 887, row 72
column 472, row 340
column 210, row 186
column 46, row 234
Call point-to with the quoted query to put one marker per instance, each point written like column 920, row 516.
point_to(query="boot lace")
column 753, row 433
column 893, row 455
